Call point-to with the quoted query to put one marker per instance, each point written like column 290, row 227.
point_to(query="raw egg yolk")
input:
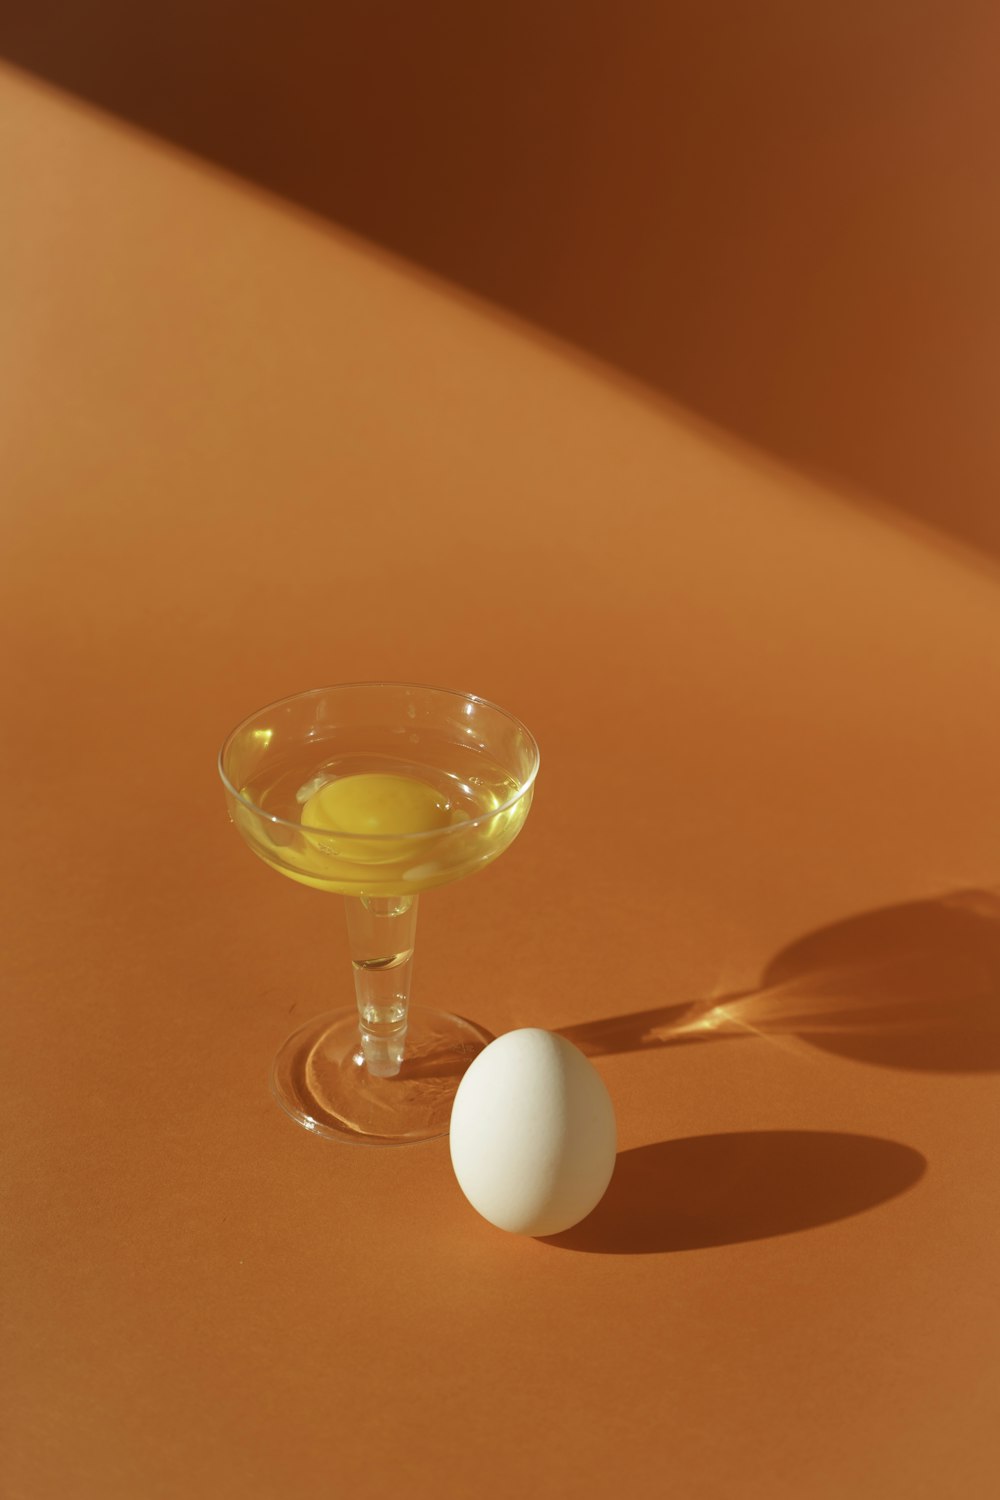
column 376, row 804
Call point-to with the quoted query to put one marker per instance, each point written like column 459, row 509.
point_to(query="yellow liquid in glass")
column 377, row 826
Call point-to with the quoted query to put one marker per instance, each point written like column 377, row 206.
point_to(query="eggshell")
column 533, row 1135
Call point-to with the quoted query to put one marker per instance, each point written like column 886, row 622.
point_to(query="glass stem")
column 381, row 931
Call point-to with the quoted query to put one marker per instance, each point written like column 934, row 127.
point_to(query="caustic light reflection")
column 911, row 986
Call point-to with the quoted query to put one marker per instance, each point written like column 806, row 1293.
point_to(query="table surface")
column 246, row 453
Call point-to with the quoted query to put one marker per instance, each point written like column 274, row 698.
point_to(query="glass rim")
column 367, row 838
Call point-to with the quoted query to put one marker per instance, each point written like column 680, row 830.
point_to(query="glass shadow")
column 914, row 986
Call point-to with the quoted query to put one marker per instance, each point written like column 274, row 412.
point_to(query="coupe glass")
column 377, row 791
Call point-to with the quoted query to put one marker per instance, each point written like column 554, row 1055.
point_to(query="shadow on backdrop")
column 783, row 216
column 726, row 1189
column 911, row 986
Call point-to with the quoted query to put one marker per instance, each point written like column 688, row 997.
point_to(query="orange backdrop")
column 248, row 451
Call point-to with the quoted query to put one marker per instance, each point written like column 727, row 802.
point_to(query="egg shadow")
column 711, row 1190
column 913, row 986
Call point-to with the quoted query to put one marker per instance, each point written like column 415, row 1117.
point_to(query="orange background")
column 673, row 436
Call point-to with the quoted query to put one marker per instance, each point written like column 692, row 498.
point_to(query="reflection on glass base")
column 320, row 1079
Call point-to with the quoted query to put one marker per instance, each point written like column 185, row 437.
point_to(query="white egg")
column 533, row 1135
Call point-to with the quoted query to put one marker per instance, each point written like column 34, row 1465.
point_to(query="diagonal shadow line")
column 695, row 197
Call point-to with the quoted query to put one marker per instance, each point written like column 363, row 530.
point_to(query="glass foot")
column 320, row 1079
